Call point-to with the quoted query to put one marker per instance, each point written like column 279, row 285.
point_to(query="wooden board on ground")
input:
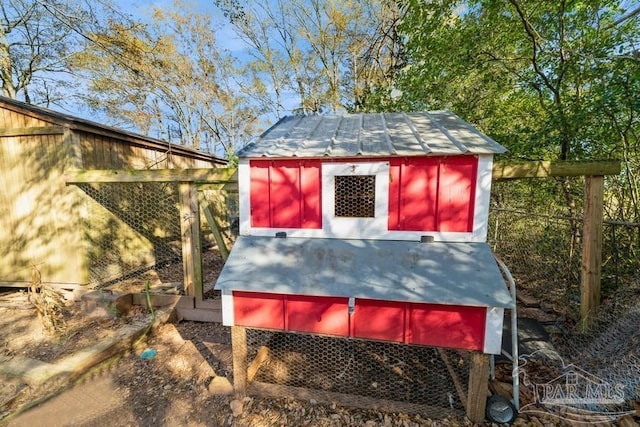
column 349, row 400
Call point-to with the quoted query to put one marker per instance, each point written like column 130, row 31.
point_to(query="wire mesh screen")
column 422, row 378
column 542, row 246
column 542, row 251
column 133, row 235
column 355, row 196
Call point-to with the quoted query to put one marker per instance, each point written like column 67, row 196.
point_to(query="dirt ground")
column 171, row 388
column 167, row 378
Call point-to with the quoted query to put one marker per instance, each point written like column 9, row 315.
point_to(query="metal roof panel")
column 437, row 272
column 371, row 135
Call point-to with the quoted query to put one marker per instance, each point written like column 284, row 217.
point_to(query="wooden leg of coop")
column 239, row 349
column 478, row 387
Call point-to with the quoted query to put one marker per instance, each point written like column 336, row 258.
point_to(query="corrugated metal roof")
column 437, row 272
column 371, row 134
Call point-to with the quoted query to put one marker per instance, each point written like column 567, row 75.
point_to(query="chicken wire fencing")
column 410, row 378
column 543, row 252
column 133, row 234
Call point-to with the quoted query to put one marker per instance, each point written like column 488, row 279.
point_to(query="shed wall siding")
column 49, row 225
column 38, row 221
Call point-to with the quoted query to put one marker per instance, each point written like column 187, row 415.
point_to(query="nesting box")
column 369, row 226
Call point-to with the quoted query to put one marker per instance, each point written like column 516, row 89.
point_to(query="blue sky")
column 226, row 36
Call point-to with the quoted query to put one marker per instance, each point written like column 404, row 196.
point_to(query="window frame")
column 355, row 227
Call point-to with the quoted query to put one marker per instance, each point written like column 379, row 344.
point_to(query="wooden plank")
column 478, row 387
column 199, row 315
column 230, row 186
column 591, row 249
column 191, row 244
column 226, row 178
column 544, row 169
column 454, row 376
column 36, row 130
column 159, row 300
column 213, row 225
column 210, row 176
column 348, row 400
column 239, row 349
column 256, row 364
column 209, row 304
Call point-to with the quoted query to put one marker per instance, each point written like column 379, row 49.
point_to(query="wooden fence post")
column 592, row 249
column 191, row 245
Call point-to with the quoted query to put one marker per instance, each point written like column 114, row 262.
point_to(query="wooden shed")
column 43, row 222
column 368, row 226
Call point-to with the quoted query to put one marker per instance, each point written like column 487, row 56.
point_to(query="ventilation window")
column 355, row 196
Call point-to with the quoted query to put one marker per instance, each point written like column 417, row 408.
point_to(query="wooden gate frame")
column 193, row 306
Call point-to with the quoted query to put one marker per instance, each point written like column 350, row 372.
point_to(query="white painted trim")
column 483, row 198
column 380, row 235
column 227, row 308
column 244, row 189
column 355, row 228
column 493, row 330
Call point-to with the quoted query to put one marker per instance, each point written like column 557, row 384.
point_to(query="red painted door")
column 456, row 194
column 379, row 320
column 447, row 326
column 317, row 315
column 258, row 310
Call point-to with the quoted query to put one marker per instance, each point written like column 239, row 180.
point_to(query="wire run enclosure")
column 363, row 248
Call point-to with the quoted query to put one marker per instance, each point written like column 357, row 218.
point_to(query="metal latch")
column 352, row 305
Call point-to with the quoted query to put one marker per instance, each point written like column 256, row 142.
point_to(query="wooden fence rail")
column 226, row 179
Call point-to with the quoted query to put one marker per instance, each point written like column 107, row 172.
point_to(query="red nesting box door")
column 438, row 325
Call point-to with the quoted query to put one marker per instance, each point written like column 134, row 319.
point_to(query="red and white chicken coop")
column 369, row 226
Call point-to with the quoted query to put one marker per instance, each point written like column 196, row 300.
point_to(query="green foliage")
column 334, row 56
column 36, row 39
column 532, row 70
column 171, row 79
column 551, row 80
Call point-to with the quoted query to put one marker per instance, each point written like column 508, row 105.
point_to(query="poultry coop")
column 362, row 250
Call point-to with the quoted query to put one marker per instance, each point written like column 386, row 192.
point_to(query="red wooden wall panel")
column 456, row 195
column 450, row 326
column 311, row 186
column 447, row 326
column 379, row 320
column 425, row 194
column 318, row 315
column 432, row 193
column 395, row 178
column 285, row 193
column 258, row 310
column 259, row 193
